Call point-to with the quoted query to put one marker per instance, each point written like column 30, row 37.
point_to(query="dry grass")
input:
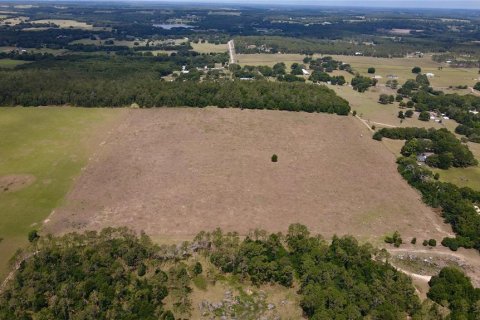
column 207, row 47
column 65, row 24
column 402, row 68
column 269, row 59
column 175, row 172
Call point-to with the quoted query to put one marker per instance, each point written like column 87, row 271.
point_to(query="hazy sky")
column 440, row 4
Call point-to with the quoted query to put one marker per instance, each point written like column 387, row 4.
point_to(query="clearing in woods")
column 176, row 171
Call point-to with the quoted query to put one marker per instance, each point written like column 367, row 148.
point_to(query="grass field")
column 400, row 67
column 330, row 176
column 63, row 23
column 128, row 43
column 13, row 21
column 43, row 150
column 463, row 177
column 207, row 47
column 268, row 59
column 10, row 63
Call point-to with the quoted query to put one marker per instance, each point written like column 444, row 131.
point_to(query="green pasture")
column 51, row 144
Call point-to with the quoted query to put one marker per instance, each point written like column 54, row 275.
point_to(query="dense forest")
column 116, row 274
column 125, row 80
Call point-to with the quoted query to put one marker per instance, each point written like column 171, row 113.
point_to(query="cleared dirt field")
column 175, row 172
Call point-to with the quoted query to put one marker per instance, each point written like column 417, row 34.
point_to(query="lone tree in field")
column 371, row 70
column 416, row 70
column 384, row 98
column 408, row 113
column 274, row 158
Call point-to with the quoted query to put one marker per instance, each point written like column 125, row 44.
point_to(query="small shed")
column 422, row 157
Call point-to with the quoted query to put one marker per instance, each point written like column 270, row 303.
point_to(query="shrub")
column 425, row 243
column 371, row 70
column 416, row 70
column 477, row 86
column 274, row 158
column 33, row 235
column 424, row 116
column 383, row 99
column 354, row 113
column 142, row 269
column 432, row 242
column 395, row 239
column 408, row 113
column 414, row 241
column 197, row 268
column 450, row 243
column 401, row 115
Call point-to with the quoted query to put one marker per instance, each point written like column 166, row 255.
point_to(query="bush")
column 142, row 269
column 395, row 239
column 197, row 268
column 401, row 115
column 33, row 235
column 414, row 241
column 477, row 86
column 371, row 70
column 424, row 116
column 432, row 243
column 450, row 243
column 274, row 158
column 408, row 113
column 354, row 113
column 416, row 70
column 425, row 243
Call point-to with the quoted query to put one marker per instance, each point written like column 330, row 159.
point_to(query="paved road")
column 231, row 51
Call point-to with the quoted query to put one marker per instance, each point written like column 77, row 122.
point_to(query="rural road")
column 231, row 51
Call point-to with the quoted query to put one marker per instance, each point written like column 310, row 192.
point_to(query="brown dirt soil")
column 175, row 172
column 15, row 182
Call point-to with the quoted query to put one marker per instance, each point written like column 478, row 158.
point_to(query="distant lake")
column 170, row 26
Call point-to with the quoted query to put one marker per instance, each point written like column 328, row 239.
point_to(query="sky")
column 438, row 4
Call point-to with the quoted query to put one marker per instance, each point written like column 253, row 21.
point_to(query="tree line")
column 117, row 274
column 456, row 203
column 448, row 150
column 89, row 85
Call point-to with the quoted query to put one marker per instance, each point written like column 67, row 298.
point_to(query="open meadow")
column 208, row 47
column 42, row 151
column 400, row 67
column 175, row 172
column 10, row 63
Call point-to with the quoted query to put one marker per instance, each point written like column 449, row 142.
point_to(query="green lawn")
column 51, row 144
column 462, row 177
column 10, row 63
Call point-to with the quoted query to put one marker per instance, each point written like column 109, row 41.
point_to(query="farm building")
column 423, row 156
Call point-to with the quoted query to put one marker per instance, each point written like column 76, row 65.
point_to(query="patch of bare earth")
column 15, row 182
column 174, row 172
